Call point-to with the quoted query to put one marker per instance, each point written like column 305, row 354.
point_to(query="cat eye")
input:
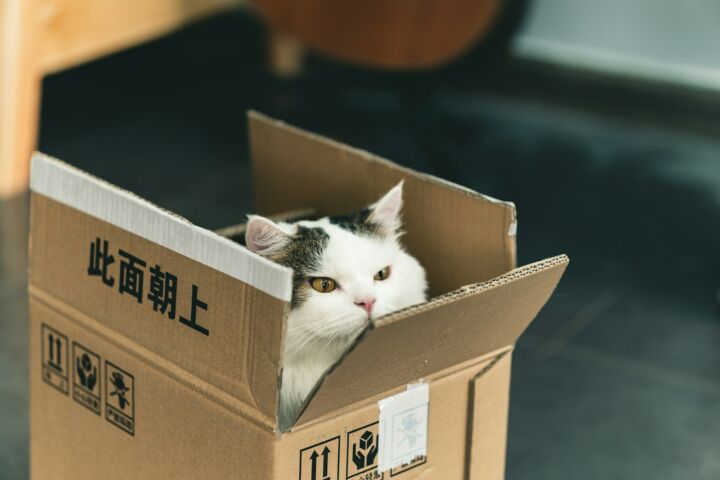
column 383, row 274
column 323, row 284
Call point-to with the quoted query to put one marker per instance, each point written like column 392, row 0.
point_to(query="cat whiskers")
column 301, row 339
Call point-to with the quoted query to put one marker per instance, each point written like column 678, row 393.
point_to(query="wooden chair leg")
column 20, row 83
column 286, row 54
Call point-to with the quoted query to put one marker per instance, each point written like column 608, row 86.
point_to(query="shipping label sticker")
column 321, row 461
column 403, row 429
column 55, row 358
column 119, row 398
column 362, row 453
column 86, row 378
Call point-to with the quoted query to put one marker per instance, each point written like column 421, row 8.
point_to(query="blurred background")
column 600, row 120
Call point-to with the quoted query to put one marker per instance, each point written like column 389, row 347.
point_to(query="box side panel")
column 487, row 435
column 342, row 434
column 434, row 337
column 477, row 239
column 100, row 411
column 73, row 187
column 208, row 323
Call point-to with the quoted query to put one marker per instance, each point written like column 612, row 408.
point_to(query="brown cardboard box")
column 156, row 344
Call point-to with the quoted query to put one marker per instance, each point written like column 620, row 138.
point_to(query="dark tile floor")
column 619, row 376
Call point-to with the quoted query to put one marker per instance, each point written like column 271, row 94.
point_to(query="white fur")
column 322, row 328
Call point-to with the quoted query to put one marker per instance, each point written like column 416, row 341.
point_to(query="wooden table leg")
column 20, row 83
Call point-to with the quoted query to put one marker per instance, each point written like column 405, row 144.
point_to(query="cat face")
column 348, row 270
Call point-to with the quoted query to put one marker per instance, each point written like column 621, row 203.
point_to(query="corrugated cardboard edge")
column 471, row 408
column 486, row 440
column 474, row 288
column 70, row 186
column 453, row 296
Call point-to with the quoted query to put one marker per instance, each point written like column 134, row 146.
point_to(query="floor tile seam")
column 580, row 320
column 636, row 368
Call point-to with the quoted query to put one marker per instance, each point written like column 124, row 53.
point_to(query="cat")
column 347, row 271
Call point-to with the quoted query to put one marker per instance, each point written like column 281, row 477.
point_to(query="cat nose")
column 366, row 304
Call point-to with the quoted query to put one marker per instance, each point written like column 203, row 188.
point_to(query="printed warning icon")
column 362, row 453
column 120, row 398
column 55, row 358
column 86, row 387
column 320, row 461
column 87, row 372
column 120, row 389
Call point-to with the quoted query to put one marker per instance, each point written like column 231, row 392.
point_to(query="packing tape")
column 403, row 429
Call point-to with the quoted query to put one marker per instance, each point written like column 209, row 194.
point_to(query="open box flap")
column 414, row 343
column 244, row 297
column 460, row 236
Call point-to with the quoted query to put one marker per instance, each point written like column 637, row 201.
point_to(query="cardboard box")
column 156, row 344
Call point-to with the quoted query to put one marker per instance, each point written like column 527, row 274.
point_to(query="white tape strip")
column 403, row 430
column 81, row 191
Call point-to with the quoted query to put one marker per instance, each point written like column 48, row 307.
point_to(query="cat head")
column 348, row 270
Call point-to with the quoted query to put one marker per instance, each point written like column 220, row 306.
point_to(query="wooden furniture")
column 391, row 34
column 39, row 37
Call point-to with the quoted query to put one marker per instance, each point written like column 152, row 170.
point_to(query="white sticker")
column 403, row 427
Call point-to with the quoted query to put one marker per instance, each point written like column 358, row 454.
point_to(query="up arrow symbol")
column 325, row 454
column 313, row 460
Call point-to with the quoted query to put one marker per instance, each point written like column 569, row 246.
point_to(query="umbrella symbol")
column 118, row 381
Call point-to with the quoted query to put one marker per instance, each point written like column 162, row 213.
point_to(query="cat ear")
column 264, row 236
column 386, row 211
